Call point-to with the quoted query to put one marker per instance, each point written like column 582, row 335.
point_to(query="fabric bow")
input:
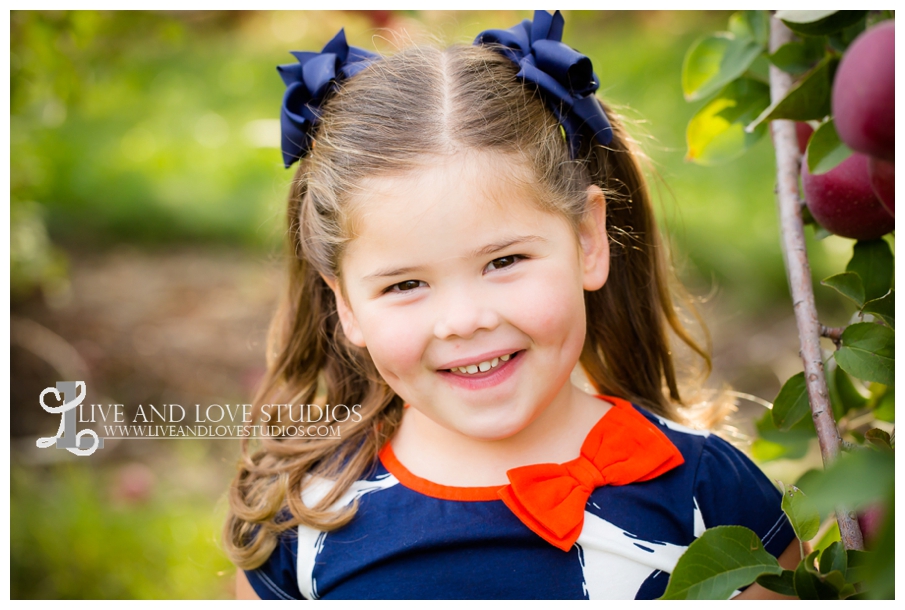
column 563, row 76
column 624, row 447
column 307, row 84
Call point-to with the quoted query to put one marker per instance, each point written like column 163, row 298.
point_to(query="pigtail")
column 628, row 349
column 309, row 361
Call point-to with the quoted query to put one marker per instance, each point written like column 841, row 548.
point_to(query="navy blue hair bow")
column 307, row 84
column 564, row 77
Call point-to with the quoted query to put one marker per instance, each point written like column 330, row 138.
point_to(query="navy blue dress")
column 413, row 539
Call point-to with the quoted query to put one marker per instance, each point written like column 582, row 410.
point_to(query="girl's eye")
column 504, row 261
column 406, row 286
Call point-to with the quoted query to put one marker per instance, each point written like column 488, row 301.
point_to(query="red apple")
column 844, row 203
column 870, row 520
column 864, row 93
column 803, row 131
column 883, row 181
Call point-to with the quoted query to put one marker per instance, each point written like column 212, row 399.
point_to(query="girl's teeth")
column 482, row 367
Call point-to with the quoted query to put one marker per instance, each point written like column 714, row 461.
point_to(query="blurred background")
column 146, row 209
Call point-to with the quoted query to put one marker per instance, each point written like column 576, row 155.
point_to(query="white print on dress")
column 615, row 563
column 311, row 541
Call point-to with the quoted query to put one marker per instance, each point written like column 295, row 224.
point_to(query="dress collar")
column 431, row 489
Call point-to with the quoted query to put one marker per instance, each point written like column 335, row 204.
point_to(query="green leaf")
column 791, row 404
column 808, row 584
column 868, row 352
column 792, row 444
column 884, row 308
column 715, row 60
column 825, row 149
column 801, row 512
column 836, row 579
column 874, row 262
column 885, row 409
column 784, row 583
column 841, row 40
column 855, row 480
column 798, row 57
column 879, row 438
column 723, row 559
column 833, row 558
column 848, row 592
column 844, row 391
column 803, row 16
column 806, row 217
column 751, row 24
column 816, row 23
column 832, row 535
column 856, row 562
column 836, row 402
column 820, row 232
column 847, row 284
column 716, row 134
column 808, row 99
column 759, row 69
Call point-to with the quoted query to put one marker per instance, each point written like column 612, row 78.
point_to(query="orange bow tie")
column 624, row 447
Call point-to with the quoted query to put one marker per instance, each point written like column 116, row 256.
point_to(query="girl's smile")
column 476, row 373
column 470, row 298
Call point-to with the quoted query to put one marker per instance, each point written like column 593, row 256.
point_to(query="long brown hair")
column 419, row 102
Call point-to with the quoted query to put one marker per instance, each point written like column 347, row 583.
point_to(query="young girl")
column 465, row 227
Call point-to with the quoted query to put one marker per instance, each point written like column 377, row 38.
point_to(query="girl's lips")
column 476, row 359
column 486, row 379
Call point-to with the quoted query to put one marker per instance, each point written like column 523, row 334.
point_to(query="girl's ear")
column 595, row 247
column 346, row 317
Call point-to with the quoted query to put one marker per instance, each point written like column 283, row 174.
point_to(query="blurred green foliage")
column 128, row 126
column 156, row 128
column 71, row 539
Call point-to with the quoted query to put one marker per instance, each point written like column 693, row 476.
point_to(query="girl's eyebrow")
column 381, row 273
column 482, row 251
column 503, row 244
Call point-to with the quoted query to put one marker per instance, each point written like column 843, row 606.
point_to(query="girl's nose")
column 461, row 314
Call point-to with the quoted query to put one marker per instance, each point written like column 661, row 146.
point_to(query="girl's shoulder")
column 711, row 462
column 724, row 485
column 698, row 446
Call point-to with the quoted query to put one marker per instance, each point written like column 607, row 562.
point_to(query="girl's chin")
column 492, row 429
column 472, row 424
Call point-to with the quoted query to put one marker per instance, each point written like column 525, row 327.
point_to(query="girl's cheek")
column 551, row 306
column 394, row 343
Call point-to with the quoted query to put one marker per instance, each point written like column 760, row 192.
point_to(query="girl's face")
column 468, row 297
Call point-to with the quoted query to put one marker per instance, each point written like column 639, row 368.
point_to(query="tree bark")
column 799, row 273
